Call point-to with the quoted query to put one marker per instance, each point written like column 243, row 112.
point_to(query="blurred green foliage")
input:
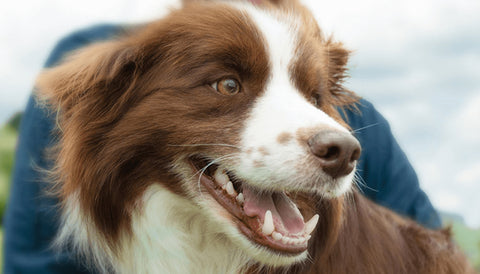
column 469, row 240
column 8, row 139
column 14, row 121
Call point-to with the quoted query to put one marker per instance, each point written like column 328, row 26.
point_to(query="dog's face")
column 229, row 105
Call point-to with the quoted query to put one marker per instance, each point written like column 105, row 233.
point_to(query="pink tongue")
column 286, row 216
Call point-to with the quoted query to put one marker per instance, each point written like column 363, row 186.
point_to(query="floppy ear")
column 109, row 68
column 89, row 92
column 337, row 58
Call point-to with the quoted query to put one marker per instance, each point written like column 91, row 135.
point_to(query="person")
column 31, row 220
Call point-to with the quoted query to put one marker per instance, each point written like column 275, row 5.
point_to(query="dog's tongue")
column 286, row 216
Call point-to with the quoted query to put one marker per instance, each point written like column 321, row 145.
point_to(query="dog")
column 210, row 141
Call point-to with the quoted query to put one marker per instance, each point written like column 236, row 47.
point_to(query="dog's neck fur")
column 185, row 240
column 172, row 235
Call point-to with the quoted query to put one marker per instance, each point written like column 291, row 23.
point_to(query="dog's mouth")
column 270, row 219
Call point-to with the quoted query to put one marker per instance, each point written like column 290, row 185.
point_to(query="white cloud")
column 466, row 124
column 469, row 175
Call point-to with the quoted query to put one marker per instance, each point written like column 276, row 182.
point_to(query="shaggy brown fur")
column 357, row 236
column 122, row 105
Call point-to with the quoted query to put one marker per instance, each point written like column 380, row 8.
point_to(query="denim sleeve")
column 387, row 177
column 31, row 218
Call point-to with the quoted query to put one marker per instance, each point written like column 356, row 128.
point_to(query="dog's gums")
column 270, row 219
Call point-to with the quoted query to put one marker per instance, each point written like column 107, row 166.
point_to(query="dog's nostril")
column 336, row 150
column 356, row 154
column 326, row 152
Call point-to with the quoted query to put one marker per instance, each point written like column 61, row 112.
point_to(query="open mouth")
column 270, row 219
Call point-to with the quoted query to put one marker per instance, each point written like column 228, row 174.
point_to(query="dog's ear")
column 337, row 58
column 109, row 68
column 89, row 92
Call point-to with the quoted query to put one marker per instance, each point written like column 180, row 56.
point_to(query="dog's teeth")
column 268, row 226
column 277, row 236
column 230, row 190
column 220, row 177
column 310, row 225
column 240, row 198
column 285, row 239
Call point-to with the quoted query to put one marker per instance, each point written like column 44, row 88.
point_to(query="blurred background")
column 418, row 61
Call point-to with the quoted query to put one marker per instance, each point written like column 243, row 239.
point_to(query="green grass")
column 469, row 241
column 8, row 140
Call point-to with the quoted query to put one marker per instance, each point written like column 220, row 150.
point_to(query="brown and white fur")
column 145, row 126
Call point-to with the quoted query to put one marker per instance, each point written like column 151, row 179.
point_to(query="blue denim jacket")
column 31, row 220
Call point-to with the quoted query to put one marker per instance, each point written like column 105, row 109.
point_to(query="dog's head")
column 231, row 105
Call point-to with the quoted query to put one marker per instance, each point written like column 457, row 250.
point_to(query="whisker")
column 360, row 182
column 216, row 160
column 357, row 183
column 365, row 127
column 350, row 200
column 199, row 145
column 213, row 162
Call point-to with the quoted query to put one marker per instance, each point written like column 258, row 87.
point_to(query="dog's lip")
column 251, row 226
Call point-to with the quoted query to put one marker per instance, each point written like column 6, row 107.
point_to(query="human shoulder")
column 81, row 38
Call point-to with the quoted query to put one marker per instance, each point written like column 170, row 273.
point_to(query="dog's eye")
column 227, row 86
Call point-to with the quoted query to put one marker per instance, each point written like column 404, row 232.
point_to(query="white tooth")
column 230, row 189
column 302, row 240
column 296, row 241
column 291, row 241
column 285, row 239
column 220, row 177
column 240, row 198
column 277, row 236
column 310, row 225
column 268, row 226
column 308, row 237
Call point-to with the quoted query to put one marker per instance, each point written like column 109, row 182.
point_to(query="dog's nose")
column 337, row 151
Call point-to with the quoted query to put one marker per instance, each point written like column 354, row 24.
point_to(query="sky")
column 416, row 60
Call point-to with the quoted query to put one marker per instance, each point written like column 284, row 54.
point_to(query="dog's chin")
column 267, row 225
column 336, row 188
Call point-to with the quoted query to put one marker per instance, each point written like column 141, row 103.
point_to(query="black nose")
column 337, row 151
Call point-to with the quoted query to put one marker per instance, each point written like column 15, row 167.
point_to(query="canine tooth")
column 277, row 236
column 240, row 198
column 230, row 190
column 310, row 225
column 268, row 226
column 220, row 177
